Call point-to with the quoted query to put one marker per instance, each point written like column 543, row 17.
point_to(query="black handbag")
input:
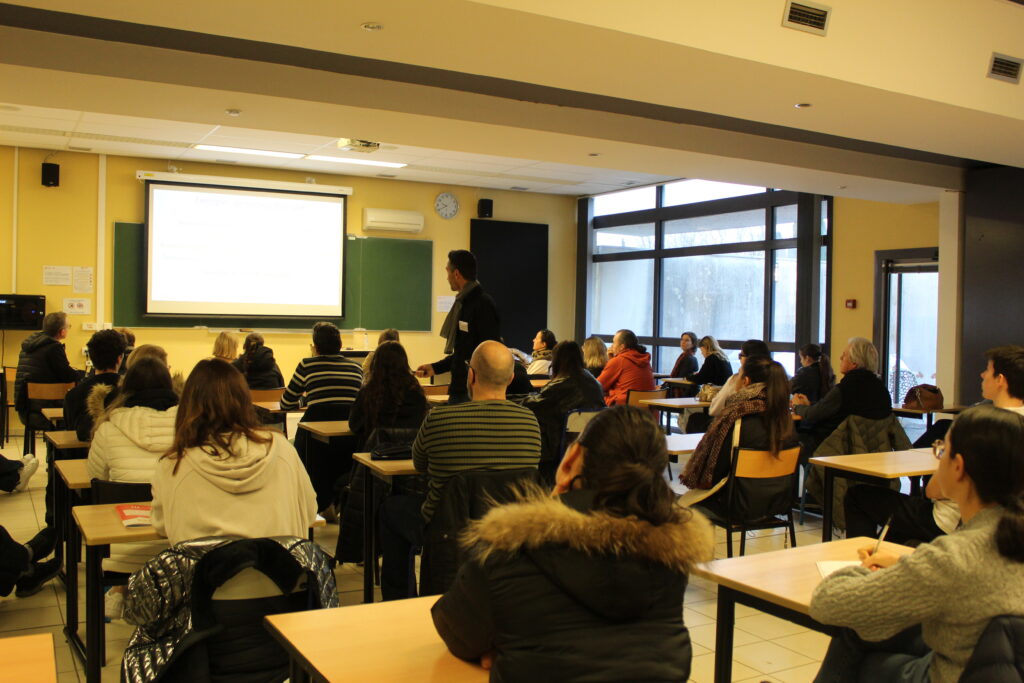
column 391, row 451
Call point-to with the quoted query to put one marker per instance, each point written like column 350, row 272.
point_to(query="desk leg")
column 94, row 629
column 296, row 673
column 74, row 551
column 61, row 506
column 368, row 527
column 724, row 635
column 826, row 506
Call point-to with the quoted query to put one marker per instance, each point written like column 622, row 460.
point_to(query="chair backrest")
column 752, row 464
column 761, row 485
column 634, row 396
column 266, row 395
column 998, row 655
column 436, row 389
column 49, row 391
column 7, row 387
column 108, row 492
column 576, row 420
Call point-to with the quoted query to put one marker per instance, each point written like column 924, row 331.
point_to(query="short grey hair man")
column 862, row 353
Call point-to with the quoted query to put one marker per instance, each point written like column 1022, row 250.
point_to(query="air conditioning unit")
column 392, row 219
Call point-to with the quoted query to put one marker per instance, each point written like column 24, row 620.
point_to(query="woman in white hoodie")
column 225, row 473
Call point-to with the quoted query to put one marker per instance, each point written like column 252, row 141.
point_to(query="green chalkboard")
column 387, row 284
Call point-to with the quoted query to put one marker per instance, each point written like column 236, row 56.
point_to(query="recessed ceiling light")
column 803, row 105
column 233, row 112
column 358, row 162
column 372, row 26
column 243, row 150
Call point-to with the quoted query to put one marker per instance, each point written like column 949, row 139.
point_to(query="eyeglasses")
column 938, row 448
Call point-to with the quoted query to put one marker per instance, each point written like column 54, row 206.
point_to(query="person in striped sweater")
column 330, row 383
column 487, row 433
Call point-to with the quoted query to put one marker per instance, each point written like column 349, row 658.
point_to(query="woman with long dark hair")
column 918, row 617
column 225, row 474
column 586, row 585
column 686, row 362
column 815, row 377
column 392, row 397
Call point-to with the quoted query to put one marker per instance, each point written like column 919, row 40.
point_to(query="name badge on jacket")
column 463, row 326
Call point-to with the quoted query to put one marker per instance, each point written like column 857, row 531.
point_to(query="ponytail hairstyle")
column 827, row 377
column 628, row 339
column 991, row 442
column 253, row 343
column 624, row 463
column 762, row 369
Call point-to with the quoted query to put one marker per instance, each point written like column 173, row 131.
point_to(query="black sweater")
column 714, row 371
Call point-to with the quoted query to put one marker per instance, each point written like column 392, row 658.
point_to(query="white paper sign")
column 78, row 306
column 56, row 275
column 445, row 303
column 82, row 279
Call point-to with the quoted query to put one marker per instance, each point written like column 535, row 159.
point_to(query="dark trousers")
column 401, row 529
column 14, row 561
column 868, row 507
column 325, row 462
column 934, row 433
column 904, row 658
column 10, row 473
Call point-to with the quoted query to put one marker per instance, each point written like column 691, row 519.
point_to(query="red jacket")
column 628, row 370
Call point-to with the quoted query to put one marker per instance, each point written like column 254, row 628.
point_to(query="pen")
column 881, row 536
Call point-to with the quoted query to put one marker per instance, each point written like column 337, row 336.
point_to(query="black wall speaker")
column 485, row 208
column 51, row 175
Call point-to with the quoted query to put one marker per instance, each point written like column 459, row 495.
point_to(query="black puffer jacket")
column 42, row 359
column 558, row 397
column 561, row 593
column 260, row 369
column 999, row 655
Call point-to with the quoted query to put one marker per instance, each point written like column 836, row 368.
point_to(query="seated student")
column 686, row 362
column 595, row 354
column 16, row 474
column 392, row 397
column 43, row 359
column 487, row 433
column 106, row 351
column 716, row 368
column 130, row 436
column 226, row 475
column 390, row 334
column 815, row 378
column 141, row 352
column 761, row 407
column 225, row 347
column 330, row 383
column 22, row 568
column 628, row 369
column 129, row 346
column 543, row 346
column 749, row 349
column 923, row 519
column 586, row 585
column 918, row 618
column 257, row 364
column 571, row 388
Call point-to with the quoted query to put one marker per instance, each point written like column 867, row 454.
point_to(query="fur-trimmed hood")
column 102, row 394
column 616, row 566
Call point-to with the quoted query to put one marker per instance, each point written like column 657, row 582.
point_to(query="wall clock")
column 446, row 205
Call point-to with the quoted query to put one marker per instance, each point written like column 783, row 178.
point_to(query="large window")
column 733, row 261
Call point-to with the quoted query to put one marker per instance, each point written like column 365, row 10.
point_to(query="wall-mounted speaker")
column 485, row 208
column 51, row 175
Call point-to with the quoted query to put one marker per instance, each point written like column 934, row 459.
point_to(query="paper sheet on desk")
column 826, row 567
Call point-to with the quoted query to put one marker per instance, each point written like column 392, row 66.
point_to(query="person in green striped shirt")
column 487, row 433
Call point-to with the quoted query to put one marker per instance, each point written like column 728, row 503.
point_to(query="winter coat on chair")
column 856, row 435
column 556, row 398
column 561, row 592
column 170, row 598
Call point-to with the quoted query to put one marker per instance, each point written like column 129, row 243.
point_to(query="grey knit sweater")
column 952, row 586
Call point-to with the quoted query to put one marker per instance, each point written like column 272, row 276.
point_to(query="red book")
column 134, row 514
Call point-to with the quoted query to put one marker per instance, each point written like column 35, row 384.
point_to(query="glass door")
column 910, row 334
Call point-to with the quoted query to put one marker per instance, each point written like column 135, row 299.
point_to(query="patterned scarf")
column 700, row 470
column 451, row 322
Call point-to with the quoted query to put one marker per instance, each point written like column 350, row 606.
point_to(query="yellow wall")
column 57, row 226
column 860, row 229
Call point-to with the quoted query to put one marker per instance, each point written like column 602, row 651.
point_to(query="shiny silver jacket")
column 158, row 599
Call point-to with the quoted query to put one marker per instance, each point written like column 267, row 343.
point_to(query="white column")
column 951, row 231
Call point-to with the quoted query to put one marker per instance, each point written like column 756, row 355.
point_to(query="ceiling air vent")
column 1005, row 68
column 806, row 16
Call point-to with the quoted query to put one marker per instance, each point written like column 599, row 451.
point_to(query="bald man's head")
column 492, row 363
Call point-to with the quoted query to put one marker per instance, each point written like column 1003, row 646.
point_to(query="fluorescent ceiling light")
column 243, row 150
column 358, row 162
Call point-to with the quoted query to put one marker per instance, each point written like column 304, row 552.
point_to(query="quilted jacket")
column 162, row 595
column 999, row 655
column 856, row 435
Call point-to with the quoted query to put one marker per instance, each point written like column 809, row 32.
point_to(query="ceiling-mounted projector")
column 353, row 145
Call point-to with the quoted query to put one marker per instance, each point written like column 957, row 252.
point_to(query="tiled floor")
column 766, row 648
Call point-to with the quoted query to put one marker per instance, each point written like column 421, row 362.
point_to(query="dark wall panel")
column 993, row 306
column 513, row 262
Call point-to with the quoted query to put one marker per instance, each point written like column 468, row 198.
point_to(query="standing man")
column 472, row 320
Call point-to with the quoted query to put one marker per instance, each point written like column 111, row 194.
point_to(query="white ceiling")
column 909, row 74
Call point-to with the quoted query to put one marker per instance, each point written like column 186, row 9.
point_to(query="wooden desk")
column 383, row 470
column 678, row 381
column 682, row 444
column 390, row 641
column 865, row 467
column 674, row 405
column 54, row 415
column 779, row 583
column 437, row 399
column 65, row 439
column 929, row 415
column 30, row 658
column 538, row 383
column 326, row 430
column 275, row 407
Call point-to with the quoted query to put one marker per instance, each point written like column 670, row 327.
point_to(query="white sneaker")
column 113, row 605
column 28, row 468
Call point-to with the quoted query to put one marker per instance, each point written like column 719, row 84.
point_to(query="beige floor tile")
column 695, row 594
column 705, row 635
column 810, row 643
column 36, row 617
column 44, row 598
column 761, row 678
column 692, row 618
column 702, row 670
column 767, row 627
column 767, row 657
column 801, row 674
column 699, row 650
column 710, row 609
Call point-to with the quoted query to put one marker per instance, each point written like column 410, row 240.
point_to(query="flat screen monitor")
column 22, row 311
